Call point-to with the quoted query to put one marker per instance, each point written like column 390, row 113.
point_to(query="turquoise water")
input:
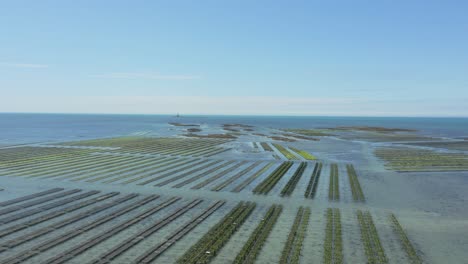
column 30, row 128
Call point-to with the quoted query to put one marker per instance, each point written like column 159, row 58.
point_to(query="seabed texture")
column 236, row 194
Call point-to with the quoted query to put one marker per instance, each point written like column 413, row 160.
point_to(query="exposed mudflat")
column 431, row 207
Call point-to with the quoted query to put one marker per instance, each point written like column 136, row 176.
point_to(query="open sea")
column 16, row 128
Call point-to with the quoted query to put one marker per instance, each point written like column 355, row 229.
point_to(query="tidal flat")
column 149, row 191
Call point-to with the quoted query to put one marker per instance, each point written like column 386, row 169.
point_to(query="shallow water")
column 30, row 128
column 431, row 207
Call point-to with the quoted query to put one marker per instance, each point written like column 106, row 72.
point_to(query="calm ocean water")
column 31, row 128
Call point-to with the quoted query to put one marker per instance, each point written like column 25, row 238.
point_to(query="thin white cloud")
column 263, row 105
column 23, row 65
column 237, row 105
column 147, row 75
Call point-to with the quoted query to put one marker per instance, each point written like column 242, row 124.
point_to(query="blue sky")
column 371, row 58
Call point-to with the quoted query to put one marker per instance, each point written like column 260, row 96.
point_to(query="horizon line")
column 232, row 115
